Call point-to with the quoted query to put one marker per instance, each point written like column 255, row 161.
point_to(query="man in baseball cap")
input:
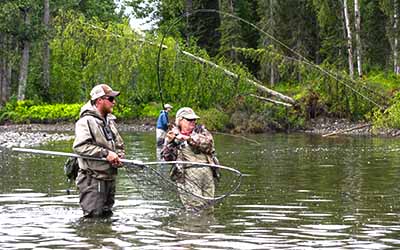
column 96, row 136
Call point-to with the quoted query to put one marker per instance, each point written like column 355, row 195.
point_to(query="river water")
column 298, row 192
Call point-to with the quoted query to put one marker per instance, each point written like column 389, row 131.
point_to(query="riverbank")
column 340, row 127
column 132, row 126
column 24, row 135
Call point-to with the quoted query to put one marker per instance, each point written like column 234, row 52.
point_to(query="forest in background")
column 246, row 65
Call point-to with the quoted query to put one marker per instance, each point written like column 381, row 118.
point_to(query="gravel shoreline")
column 25, row 135
column 340, row 127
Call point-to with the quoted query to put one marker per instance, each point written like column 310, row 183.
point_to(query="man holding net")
column 188, row 142
column 96, row 136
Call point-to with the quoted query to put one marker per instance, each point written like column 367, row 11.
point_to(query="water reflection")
column 299, row 192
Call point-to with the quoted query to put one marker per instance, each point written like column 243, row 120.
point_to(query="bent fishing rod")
column 126, row 161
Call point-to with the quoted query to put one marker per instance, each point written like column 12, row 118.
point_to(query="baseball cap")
column 102, row 90
column 186, row 113
column 166, row 106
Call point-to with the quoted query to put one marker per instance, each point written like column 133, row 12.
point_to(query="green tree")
column 376, row 43
column 391, row 10
column 230, row 29
column 330, row 32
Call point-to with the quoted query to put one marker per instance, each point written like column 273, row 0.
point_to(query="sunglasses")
column 109, row 98
column 190, row 120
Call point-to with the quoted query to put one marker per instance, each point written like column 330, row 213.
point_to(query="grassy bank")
column 242, row 113
column 240, row 118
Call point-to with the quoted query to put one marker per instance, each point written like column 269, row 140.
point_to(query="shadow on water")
column 299, row 192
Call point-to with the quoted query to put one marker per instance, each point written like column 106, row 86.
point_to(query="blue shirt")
column 162, row 121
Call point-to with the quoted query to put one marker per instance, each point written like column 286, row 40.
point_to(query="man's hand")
column 114, row 159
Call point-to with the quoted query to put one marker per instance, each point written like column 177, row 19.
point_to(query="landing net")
column 197, row 185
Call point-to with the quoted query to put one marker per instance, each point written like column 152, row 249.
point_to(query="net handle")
column 131, row 163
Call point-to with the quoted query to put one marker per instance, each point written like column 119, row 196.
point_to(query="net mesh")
column 196, row 186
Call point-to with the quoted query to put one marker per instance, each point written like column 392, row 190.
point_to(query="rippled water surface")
column 298, row 192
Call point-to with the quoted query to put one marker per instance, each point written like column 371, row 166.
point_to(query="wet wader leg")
column 194, row 186
column 109, row 196
column 91, row 195
column 160, row 137
column 209, row 188
column 208, row 183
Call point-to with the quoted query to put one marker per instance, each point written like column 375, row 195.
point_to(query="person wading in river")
column 96, row 135
column 188, row 142
column 162, row 127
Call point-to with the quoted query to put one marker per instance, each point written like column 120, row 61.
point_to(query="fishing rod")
column 57, row 153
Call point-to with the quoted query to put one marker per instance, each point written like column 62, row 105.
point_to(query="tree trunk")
column 232, row 52
column 272, row 75
column 271, row 26
column 189, row 8
column 349, row 39
column 6, row 81
column 358, row 49
column 396, row 37
column 255, row 83
column 3, row 80
column 23, row 72
column 271, row 100
column 6, row 65
column 268, row 71
column 46, row 51
column 2, row 67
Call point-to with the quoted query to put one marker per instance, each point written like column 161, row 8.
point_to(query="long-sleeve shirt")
column 162, row 121
column 198, row 148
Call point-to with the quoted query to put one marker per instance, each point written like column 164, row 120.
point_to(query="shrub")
column 390, row 118
column 28, row 111
column 213, row 119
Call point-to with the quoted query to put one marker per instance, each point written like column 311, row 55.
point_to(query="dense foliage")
column 28, row 111
column 298, row 48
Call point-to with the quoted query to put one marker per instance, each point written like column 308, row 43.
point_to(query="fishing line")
column 303, row 59
column 186, row 54
column 239, row 136
column 315, row 66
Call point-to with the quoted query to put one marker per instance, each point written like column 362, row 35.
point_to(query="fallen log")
column 271, row 100
column 236, row 76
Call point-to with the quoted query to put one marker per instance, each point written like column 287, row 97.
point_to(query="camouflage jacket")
column 198, row 148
